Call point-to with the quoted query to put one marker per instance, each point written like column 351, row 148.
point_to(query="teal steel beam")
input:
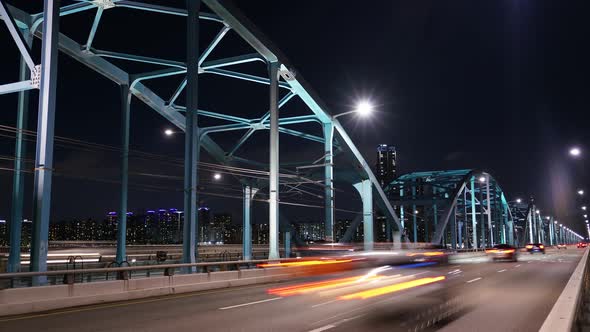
column 93, row 29
column 45, row 137
column 287, row 244
column 21, row 18
column 231, row 61
column 135, row 78
column 366, row 193
column 16, row 87
column 245, row 77
column 166, row 10
column 124, row 176
column 414, row 221
column 192, row 136
column 241, row 141
column 213, row 44
column 138, row 58
column 215, row 115
column 17, row 36
column 37, row 19
column 18, row 182
column 329, row 206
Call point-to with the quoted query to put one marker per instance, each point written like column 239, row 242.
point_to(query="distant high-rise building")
column 386, row 164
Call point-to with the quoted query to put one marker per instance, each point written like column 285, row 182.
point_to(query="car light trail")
column 306, row 263
column 321, row 285
column 429, row 253
column 391, row 289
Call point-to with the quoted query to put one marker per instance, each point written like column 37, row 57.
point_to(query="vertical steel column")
column 192, row 139
column 482, row 219
column 273, row 202
column 122, row 220
column 329, row 181
column 540, row 231
column 489, row 208
column 530, row 222
column 460, row 234
column 18, row 184
column 551, row 231
column 249, row 193
column 365, row 189
column 287, row 244
column 401, row 209
column 414, row 219
column 454, row 228
column 45, row 133
column 473, row 215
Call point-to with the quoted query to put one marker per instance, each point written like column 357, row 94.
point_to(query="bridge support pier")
column 122, row 218
column 45, row 137
column 192, row 138
column 249, row 194
column 329, row 181
column 18, row 185
column 365, row 189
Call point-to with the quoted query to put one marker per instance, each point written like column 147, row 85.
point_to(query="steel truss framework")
column 282, row 76
column 465, row 209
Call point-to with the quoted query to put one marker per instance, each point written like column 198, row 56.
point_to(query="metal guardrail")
column 124, row 273
column 570, row 312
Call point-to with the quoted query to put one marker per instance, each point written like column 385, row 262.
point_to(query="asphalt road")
column 475, row 296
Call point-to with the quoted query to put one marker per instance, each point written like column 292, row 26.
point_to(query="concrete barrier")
column 564, row 314
column 15, row 301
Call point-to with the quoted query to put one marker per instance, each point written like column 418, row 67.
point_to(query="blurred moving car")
column 582, row 244
column 535, row 247
column 503, row 252
column 561, row 246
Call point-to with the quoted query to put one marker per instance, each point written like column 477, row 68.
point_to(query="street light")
column 585, row 216
column 518, row 200
column 584, row 207
column 363, row 108
column 217, row 176
column 168, row 132
column 580, row 192
column 575, row 151
column 538, row 212
column 482, row 179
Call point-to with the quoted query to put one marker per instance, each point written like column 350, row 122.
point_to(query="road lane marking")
column 323, row 328
column 321, row 304
column 474, row 280
column 517, row 265
column 503, row 270
column 250, row 303
column 127, row 303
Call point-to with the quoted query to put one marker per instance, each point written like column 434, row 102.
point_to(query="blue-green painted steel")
column 192, row 136
column 287, row 244
column 329, row 181
column 473, row 213
column 45, row 137
column 273, row 178
column 18, row 184
column 414, row 226
column 122, row 216
column 249, row 193
column 94, row 27
column 366, row 192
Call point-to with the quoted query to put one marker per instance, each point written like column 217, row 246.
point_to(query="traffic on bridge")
column 146, row 189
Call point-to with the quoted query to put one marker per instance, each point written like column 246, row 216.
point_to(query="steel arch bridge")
column 283, row 82
column 462, row 208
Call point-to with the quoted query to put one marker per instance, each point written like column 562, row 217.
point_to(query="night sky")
column 495, row 85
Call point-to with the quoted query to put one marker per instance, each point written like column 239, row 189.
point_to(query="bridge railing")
column 571, row 312
column 55, row 277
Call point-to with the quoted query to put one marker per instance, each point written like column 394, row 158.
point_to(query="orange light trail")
column 306, row 263
column 390, row 289
column 317, row 286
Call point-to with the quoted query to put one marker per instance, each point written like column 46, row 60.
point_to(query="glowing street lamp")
column 363, row 108
column 584, row 207
column 580, row 192
column 518, row 200
column 168, row 132
column 482, row 179
column 575, row 151
column 217, row 176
